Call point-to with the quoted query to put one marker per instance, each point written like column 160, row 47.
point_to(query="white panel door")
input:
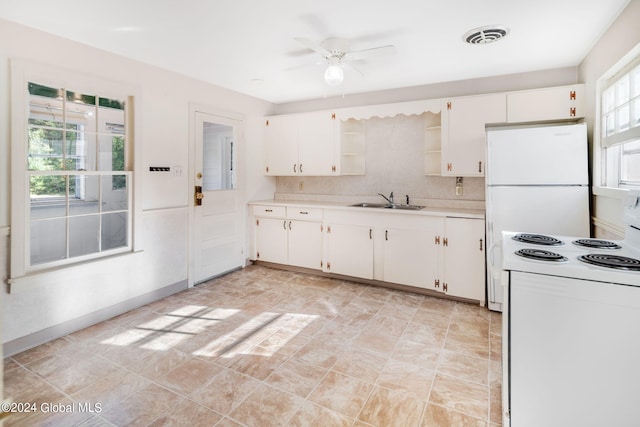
column 411, row 256
column 546, row 155
column 217, row 239
column 349, row 250
column 305, row 244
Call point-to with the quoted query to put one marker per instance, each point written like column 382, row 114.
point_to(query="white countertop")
column 426, row 211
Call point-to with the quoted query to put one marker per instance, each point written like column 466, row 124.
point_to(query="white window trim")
column 599, row 186
column 21, row 73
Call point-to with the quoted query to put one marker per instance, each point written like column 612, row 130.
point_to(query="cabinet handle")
column 328, row 229
column 284, row 224
column 370, row 234
column 257, row 222
column 294, row 168
column 304, row 213
column 267, row 169
column 268, row 210
column 481, row 245
column 479, row 166
column 321, row 228
column 289, row 225
column 267, row 122
column 300, row 168
column 386, row 234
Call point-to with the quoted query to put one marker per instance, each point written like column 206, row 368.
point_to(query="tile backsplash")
column 394, row 162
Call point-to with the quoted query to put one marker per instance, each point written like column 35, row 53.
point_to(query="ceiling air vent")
column 484, row 35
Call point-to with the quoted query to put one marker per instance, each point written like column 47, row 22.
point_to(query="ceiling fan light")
column 333, row 75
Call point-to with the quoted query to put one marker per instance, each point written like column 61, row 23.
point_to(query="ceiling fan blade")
column 371, row 53
column 313, row 46
column 354, row 68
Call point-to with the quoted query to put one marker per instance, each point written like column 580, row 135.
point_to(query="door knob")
column 199, row 175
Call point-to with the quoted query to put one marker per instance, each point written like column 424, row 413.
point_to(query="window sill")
column 610, row 192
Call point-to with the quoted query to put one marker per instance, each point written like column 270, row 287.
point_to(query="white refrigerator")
column 537, row 181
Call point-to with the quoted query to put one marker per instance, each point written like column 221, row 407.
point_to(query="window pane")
column 45, row 145
column 622, row 90
column 81, row 114
column 114, row 193
column 83, row 235
column 635, row 76
column 610, row 124
column 623, row 118
column 48, row 240
column 84, row 199
column 114, row 230
column 112, row 153
column 608, row 100
column 48, row 196
column 635, row 119
column 630, row 162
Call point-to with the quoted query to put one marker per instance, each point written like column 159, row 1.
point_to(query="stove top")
column 575, row 257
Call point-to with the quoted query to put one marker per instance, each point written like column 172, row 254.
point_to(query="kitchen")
column 163, row 202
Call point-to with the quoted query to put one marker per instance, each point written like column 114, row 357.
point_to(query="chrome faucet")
column 389, row 199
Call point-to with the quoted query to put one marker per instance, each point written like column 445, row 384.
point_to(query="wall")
column 48, row 300
column 620, row 38
column 395, row 145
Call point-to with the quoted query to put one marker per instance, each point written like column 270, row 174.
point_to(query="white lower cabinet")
column 411, row 255
column 288, row 241
column 463, row 247
column 271, row 240
column 349, row 250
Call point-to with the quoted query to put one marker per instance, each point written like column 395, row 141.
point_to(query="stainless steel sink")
column 388, row 206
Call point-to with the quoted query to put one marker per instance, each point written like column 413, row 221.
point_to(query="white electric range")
column 571, row 328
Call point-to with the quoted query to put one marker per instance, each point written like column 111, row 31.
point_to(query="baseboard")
column 37, row 338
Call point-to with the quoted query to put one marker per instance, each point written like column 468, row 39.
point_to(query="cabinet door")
column 411, row 256
column 281, row 146
column 464, row 263
column 305, row 244
column 271, row 240
column 463, row 132
column 555, row 103
column 349, row 250
column 317, row 138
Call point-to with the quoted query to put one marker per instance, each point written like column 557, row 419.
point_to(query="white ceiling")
column 231, row 43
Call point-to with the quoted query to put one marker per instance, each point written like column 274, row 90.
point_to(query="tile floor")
column 263, row 347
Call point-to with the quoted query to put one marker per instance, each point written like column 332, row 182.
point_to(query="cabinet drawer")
column 295, row 212
column 269, row 211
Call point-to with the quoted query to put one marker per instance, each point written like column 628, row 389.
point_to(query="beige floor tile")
column 311, row 414
column 267, row 406
column 408, row 378
column 225, row 391
column 391, row 408
column 263, row 346
column 297, row 376
column 360, row 364
column 460, row 395
column 438, row 416
column 464, row 366
column 341, row 393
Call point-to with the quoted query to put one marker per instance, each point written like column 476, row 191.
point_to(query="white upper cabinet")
column 301, row 144
column 555, row 103
column 463, row 132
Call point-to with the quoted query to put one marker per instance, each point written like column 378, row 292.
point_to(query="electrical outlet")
column 458, row 186
column 301, row 186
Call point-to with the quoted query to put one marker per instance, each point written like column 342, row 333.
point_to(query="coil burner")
column 611, row 261
column 537, row 239
column 597, row 243
column 541, row 255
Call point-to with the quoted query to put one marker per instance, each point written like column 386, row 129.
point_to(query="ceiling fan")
column 335, row 54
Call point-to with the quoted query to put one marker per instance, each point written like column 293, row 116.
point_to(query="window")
column 72, row 174
column 620, row 127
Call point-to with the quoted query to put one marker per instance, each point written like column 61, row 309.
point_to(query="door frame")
column 240, row 152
